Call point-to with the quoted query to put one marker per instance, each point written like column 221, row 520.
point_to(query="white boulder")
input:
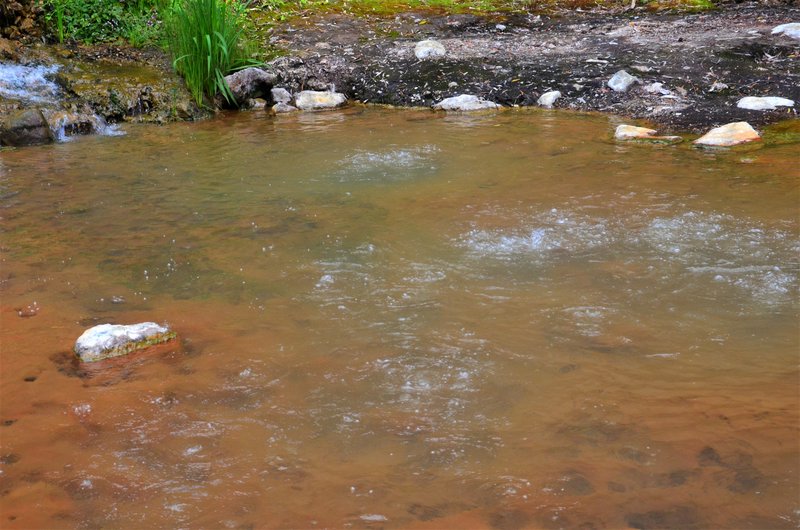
column 729, row 134
column 465, row 102
column 622, row 81
column 112, row 340
column 319, row 100
column 548, row 98
column 428, row 49
column 791, row 30
column 763, row 103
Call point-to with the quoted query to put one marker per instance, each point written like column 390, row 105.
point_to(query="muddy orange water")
column 402, row 320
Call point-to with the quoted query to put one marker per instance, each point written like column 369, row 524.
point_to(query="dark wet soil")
column 706, row 61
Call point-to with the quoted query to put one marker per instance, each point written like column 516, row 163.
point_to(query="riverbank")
column 705, row 62
column 690, row 69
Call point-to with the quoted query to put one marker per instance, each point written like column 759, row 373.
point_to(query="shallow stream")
column 403, row 320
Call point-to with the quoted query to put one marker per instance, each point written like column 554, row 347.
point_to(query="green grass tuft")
column 206, row 39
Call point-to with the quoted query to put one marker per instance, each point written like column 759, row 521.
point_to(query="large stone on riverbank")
column 622, row 81
column 547, row 99
column 763, row 103
column 319, row 100
column 111, row 340
column 26, row 127
column 465, row 103
column 730, row 134
column 251, row 83
column 791, row 30
column 428, row 49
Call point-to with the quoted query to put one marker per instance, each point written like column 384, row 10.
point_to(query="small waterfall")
column 29, row 84
column 66, row 124
column 33, row 86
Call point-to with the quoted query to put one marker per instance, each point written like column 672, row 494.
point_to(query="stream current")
column 401, row 319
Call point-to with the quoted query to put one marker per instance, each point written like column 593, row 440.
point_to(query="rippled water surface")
column 402, row 320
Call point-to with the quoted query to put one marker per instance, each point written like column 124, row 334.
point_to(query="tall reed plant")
column 206, row 38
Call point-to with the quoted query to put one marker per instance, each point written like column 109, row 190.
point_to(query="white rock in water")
column 429, row 48
column 622, row 81
column 765, row 103
column 628, row 132
column 112, row 340
column 790, row 30
column 465, row 102
column 283, row 108
column 631, row 132
column 548, row 98
column 314, row 100
column 730, row 134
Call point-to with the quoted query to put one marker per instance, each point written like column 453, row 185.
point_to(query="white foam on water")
column 589, row 320
column 28, row 84
column 544, row 234
column 391, row 164
column 702, row 247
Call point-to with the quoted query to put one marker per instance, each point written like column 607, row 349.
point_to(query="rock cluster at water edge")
column 250, row 83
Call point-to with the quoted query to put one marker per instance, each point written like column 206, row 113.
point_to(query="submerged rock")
column 250, row 83
column 791, row 29
column 628, row 132
column 631, row 132
column 319, row 100
column 427, row 49
column 729, row 134
column 548, row 98
column 763, row 103
column 26, row 127
column 465, row 102
column 112, row 340
column 283, row 108
column 622, row 81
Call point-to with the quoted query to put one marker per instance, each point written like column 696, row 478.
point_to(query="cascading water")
column 34, row 86
column 28, row 84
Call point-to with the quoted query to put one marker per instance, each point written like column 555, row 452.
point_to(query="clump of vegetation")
column 283, row 9
column 206, row 37
column 93, row 21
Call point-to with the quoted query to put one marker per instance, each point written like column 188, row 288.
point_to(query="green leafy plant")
column 91, row 21
column 206, row 38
